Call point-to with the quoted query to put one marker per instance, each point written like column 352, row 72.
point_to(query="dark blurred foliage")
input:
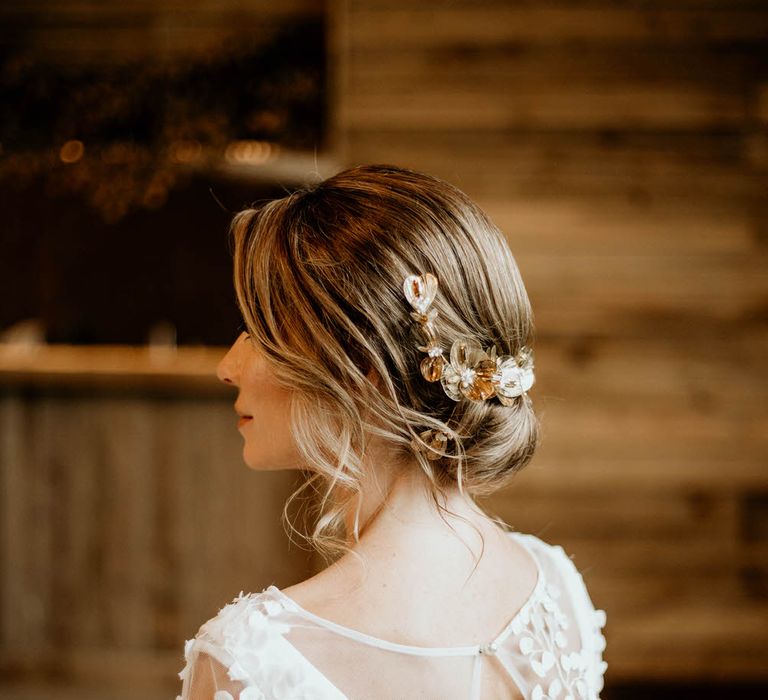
column 117, row 182
column 245, row 89
column 121, row 134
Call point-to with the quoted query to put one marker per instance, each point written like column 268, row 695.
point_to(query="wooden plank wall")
column 622, row 148
column 113, row 551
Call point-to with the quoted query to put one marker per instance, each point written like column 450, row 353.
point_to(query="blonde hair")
column 319, row 276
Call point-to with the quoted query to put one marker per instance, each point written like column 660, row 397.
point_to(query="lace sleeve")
column 207, row 676
column 213, row 669
column 241, row 654
column 591, row 620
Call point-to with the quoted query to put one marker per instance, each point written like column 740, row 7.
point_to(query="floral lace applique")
column 543, row 627
column 598, row 622
column 251, row 642
column 246, row 694
column 250, row 631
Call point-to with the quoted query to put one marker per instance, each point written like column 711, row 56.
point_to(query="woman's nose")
column 228, row 368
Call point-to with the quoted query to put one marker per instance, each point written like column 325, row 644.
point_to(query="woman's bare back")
column 421, row 589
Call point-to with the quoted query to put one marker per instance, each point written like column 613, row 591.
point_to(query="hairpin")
column 435, row 440
column 470, row 372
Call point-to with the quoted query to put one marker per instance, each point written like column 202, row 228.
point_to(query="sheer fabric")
column 264, row 646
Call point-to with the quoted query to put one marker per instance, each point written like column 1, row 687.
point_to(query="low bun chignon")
column 319, row 279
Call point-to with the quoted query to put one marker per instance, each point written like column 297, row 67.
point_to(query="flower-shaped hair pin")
column 471, row 372
column 514, row 375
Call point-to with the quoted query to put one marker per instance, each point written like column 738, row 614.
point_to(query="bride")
column 387, row 354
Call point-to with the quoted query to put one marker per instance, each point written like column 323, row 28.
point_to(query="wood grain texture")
column 127, row 522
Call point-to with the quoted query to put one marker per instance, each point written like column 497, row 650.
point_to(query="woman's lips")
column 243, row 420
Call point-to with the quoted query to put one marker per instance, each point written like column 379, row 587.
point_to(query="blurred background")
column 621, row 145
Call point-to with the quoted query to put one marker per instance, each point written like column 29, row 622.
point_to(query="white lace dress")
column 264, row 646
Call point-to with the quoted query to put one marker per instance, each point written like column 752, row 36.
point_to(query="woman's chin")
column 262, row 463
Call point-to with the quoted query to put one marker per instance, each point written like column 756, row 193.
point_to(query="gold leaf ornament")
column 432, row 366
column 471, row 372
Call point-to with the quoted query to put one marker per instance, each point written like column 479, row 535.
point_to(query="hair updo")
column 319, row 276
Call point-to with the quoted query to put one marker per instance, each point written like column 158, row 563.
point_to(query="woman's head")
column 319, row 282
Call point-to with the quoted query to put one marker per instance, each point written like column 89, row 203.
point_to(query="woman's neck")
column 399, row 501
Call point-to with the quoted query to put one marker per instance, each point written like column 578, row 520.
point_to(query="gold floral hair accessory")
column 470, row 372
column 435, row 441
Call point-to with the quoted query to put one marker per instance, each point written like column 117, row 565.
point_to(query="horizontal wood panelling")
column 575, row 226
column 616, row 515
column 725, row 286
column 123, row 673
column 605, row 165
column 127, row 522
column 599, row 106
column 402, row 24
column 637, row 555
column 468, row 66
column 558, row 465
column 705, row 378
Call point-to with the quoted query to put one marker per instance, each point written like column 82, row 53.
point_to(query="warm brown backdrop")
column 623, row 148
